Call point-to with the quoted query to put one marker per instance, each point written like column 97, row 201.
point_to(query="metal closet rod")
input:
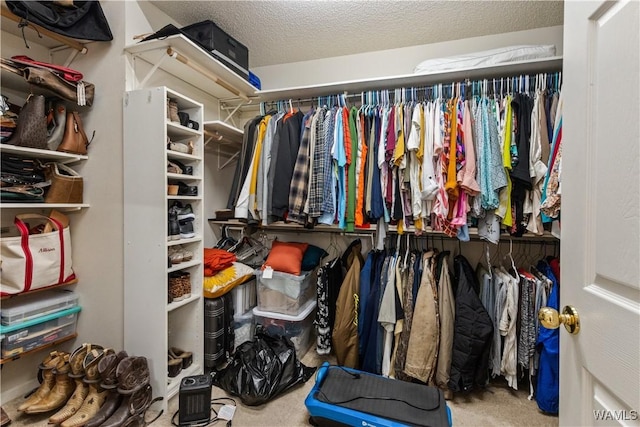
column 522, row 82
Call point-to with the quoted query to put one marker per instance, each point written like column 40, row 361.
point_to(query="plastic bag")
column 262, row 369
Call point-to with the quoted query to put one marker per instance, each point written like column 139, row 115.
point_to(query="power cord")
column 355, row 375
column 215, row 419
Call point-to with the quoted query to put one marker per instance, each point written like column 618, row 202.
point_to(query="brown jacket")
column 345, row 329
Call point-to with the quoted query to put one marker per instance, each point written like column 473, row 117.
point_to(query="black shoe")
column 174, row 227
column 187, row 190
column 186, row 213
column 186, row 229
column 187, row 170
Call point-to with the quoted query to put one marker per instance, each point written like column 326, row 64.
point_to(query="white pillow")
column 486, row 58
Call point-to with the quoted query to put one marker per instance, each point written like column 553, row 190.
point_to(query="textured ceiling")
column 278, row 32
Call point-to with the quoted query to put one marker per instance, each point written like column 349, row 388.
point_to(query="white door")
column 600, row 277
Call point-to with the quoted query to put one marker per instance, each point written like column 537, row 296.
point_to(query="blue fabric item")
column 312, row 256
column 255, row 81
column 548, row 388
column 463, row 233
column 417, row 276
column 371, row 326
column 377, row 204
column 365, row 288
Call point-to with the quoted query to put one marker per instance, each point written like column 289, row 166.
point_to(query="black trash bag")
column 262, row 369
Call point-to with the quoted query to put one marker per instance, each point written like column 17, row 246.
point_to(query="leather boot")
column 133, row 384
column 96, row 396
column 60, row 392
column 107, row 368
column 81, row 389
column 48, row 381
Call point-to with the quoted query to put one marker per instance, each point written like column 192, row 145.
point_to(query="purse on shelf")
column 56, row 122
column 75, row 139
column 83, row 20
column 31, row 126
column 66, row 184
column 38, row 260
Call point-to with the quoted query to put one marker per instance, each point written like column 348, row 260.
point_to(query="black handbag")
column 83, row 20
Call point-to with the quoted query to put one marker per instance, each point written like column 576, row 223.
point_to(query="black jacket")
column 473, row 331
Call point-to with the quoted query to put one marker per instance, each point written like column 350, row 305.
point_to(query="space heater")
column 195, row 400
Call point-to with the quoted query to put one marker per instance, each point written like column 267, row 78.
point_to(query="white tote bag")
column 35, row 261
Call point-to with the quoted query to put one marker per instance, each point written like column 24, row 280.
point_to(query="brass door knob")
column 550, row 318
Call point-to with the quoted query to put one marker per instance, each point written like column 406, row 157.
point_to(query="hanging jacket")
column 446, row 314
column 548, row 388
column 345, row 330
column 472, row 334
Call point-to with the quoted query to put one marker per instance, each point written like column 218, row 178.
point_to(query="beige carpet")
column 498, row 405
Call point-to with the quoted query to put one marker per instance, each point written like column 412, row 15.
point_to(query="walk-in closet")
column 313, row 213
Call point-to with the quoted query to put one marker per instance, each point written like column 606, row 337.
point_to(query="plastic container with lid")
column 285, row 293
column 243, row 327
column 31, row 306
column 37, row 332
column 298, row 328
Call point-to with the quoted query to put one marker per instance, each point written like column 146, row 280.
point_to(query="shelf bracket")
column 153, row 70
column 229, row 160
column 207, row 73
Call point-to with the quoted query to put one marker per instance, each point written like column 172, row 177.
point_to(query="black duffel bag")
column 83, row 20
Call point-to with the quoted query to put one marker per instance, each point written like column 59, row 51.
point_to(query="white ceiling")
column 278, row 32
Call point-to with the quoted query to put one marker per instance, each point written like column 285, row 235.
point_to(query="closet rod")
column 493, row 84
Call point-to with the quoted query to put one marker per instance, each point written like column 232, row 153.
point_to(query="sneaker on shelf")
column 186, row 213
column 174, row 227
column 186, row 229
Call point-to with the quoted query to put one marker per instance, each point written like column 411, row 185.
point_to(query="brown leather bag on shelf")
column 66, row 184
column 75, row 139
column 31, row 126
column 81, row 92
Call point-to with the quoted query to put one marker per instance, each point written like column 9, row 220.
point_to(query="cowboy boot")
column 60, row 392
column 107, row 368
column 133, row 384
column 81, row 390
column 96, row 396
column 48, row 381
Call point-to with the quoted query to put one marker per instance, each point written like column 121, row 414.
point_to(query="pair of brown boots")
column 97, row 387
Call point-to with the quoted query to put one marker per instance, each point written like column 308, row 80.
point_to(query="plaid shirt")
column 298, row 188
column 329, row 125
column 316, row 188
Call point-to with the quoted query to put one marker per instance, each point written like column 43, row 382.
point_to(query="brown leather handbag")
column 31, row 126
column 66, row 184
column 75, row 139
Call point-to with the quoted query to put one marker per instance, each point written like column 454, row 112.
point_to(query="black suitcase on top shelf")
column 219, row 336
column 221, row 45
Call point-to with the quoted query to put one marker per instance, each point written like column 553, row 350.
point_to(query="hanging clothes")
column 547, row 391
column 422, row 350
column 345, row 332
column 446, row 314
column 472, row 332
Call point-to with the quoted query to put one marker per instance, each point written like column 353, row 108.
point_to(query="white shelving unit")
column 161, row 325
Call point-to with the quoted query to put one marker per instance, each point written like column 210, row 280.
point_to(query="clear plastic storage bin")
column 244, row 296
column 35, row 333
column 243, row 327
column 285, row 293
column 27, row 307
column 298, row 328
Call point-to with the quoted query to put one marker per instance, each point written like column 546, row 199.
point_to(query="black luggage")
column 219, row 336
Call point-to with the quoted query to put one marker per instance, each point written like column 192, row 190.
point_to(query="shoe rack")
column 157, row 314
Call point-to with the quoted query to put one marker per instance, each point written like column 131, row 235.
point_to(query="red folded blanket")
column 216, row 260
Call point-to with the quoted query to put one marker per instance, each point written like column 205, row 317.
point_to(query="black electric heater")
column 195, row 400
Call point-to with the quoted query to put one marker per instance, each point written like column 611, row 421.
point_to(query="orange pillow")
column 286, row 257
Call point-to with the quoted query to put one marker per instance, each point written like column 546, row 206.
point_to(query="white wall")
column 393, row 62
column 97, row 231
